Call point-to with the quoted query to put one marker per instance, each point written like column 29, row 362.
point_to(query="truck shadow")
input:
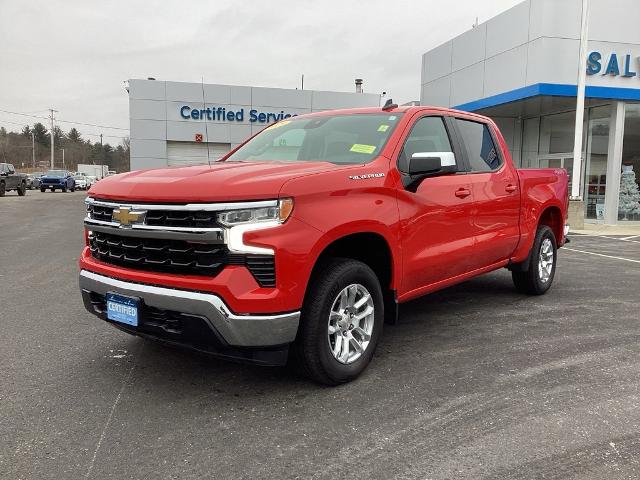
column 428, row 317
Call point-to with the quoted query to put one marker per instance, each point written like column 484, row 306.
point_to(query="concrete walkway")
column 629, row 230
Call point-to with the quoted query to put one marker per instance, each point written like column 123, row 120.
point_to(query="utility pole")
column 51, row 134
column 63, row 165
column 101, row 152
column 33, row 149
column 576, row 176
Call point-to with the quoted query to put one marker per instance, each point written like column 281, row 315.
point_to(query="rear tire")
column 64, row 189
column 53, row 189
column 42, row 189
column 542, row 264
column 22, row 189
column 335, row 321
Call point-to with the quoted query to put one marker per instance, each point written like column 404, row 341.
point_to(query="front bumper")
column 229, row 329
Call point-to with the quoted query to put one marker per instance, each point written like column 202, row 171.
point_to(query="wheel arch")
column 551, row 216
column 373, row 249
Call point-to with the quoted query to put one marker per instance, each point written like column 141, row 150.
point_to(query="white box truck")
column 98, row 171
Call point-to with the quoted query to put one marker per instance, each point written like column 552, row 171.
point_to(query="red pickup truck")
column 301, row 242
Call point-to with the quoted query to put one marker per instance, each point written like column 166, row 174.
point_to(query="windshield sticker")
column 383, row 128
column 360, row 148
column 392, row 118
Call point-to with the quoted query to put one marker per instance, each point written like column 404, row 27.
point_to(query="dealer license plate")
column 122, row 309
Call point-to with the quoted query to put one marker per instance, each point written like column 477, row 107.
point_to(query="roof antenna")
column 389, row 105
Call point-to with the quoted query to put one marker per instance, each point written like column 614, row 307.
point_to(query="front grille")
column 161, row 218
column 172, row 218
column 177, row 256
column 173, row 256
column 99, row 212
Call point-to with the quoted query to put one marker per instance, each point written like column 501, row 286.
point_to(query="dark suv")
column 10, row 180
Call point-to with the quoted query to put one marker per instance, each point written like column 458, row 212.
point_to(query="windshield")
column 79, row 177
column 56, row 173
column 339, row 139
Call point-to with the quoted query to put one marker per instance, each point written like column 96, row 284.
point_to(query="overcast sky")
column 74, row 55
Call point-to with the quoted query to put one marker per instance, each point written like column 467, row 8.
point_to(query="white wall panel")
column 556, row 18
column 508, row 30
column 148, row 148
column 506, row 71
column 279, row 97
column 185, row 92
column 148, row 129
column 147, row 109
column 436, row 93
column 553, row 60
column 147, row 89
column 466, row 84
column 469, row 48
column 437, row 62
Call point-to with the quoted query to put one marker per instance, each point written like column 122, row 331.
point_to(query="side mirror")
column 432, row 163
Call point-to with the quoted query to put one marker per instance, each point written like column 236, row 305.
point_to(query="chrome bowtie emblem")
column 127, row 217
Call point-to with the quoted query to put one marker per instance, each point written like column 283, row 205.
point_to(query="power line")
column 14, row 123
column 93, row 125
column 24, row 114
column 64, row 121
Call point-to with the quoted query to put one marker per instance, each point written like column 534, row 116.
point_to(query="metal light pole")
column 33, row 150
column 51, row 134
column 576, row 177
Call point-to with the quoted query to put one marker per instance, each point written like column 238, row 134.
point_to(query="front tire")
column 542, row 264
column 341, row 322
column 2, row 189
column 42, row 189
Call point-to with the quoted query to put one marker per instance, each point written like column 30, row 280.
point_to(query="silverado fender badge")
column 366, row 176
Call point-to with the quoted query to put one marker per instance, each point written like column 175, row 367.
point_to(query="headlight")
column 278, row 213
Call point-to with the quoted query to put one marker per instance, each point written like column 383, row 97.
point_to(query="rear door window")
column 481, row 150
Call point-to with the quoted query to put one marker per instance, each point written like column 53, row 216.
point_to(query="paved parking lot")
column 476, row 382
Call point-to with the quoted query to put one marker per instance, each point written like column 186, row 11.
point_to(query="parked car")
column 81, row 182
column 91, row 180
column 11, row 180
column 302, row 241
column 57, row 179
column 33, row 180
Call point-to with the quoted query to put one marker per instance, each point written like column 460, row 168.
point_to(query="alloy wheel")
column 351, row 323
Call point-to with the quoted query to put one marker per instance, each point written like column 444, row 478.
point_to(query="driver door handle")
column 463, row 192
column 510, row 188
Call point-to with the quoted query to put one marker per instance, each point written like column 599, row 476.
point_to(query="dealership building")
column 177, row 123
column 520, row 68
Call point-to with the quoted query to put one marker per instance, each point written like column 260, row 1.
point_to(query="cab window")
column 481, row 150
column 427, row 135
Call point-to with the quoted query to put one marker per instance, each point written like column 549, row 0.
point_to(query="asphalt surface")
column 476, row 381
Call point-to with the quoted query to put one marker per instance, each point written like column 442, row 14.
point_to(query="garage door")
column 193, row 153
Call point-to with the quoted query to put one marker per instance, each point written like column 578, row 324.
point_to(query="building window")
column 595, row 167
column 629, row 197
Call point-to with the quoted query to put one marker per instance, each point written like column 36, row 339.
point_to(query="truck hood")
column 220, row 181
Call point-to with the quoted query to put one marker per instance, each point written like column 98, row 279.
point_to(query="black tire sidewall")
column 543, row 233
column 350, row 272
